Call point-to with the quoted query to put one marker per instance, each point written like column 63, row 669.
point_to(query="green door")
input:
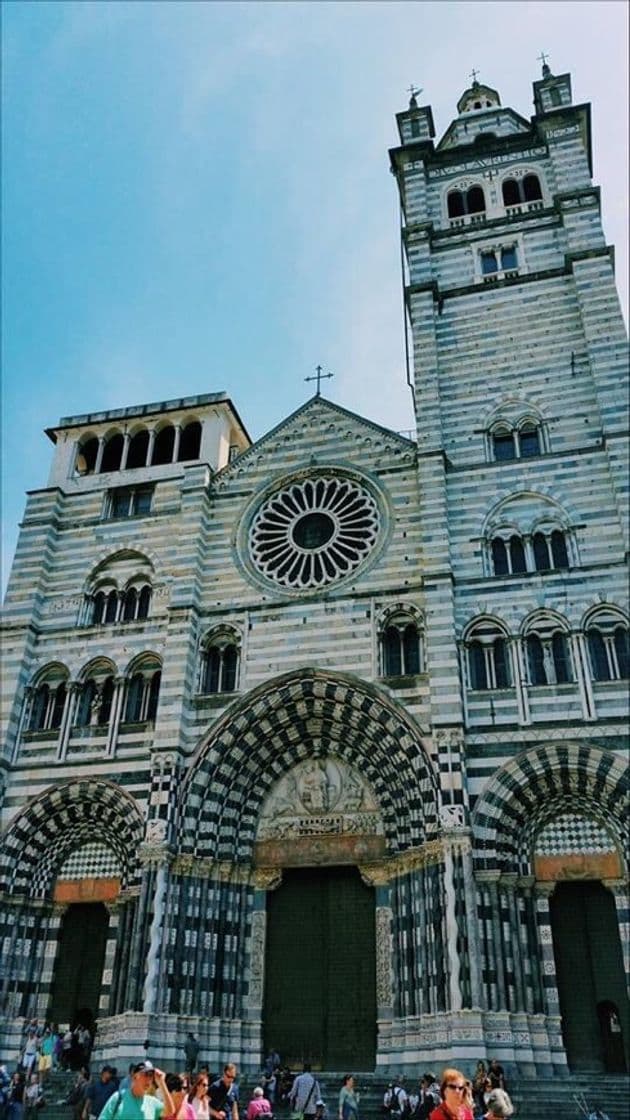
column 320, row 982
column 79, row 965
column 590, row 973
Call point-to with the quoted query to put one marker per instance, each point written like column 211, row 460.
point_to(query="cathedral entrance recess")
column 590, row 973
column 320, row 989
column 79, row 964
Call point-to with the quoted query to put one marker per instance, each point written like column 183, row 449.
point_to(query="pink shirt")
column 258, row 1107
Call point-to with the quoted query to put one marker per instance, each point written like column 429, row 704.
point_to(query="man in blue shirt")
column 98, row 1093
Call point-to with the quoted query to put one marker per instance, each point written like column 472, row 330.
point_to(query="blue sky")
column 196, row 196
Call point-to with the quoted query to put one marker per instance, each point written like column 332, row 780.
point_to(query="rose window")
column 313, row 532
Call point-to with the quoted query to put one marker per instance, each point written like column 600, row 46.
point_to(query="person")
column 191, row 1050
column 272, row 1061
column 33, row 1097
column 46, row 1047
column 178, row 1087
column 15, row 1096
column 453, row 1091
column 5, row 1081
column 348, row 1099
column 76, row 1095
column 426, row 1100
column 198, row 1096
column 304, row 1092
column 496, row 1075
column 479, row 1081
column 29, row 1053
column 221, row 1095
column 499, row 1105
column 395, row 1101
column 98, row 1093
column 258, row 1106
column 136, row 1102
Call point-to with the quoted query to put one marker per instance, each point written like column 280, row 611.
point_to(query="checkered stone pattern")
column 553, row 779
column 165, row 786
column 462, row 929
column 306, row 714
column 420, row 959
column 25, row 931
column 546, row 956
column 59, row 822
column 569, row 834
column 92, row 861
column 207, row 946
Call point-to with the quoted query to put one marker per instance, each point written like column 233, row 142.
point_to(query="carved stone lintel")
column 267, row 878
column 375, row 874
column 320, row 797
column 154, row 853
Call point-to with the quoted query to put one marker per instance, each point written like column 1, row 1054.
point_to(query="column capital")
column 544, row 889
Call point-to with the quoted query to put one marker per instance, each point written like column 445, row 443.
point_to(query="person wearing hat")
column 136, row 1102
column 98, row 1093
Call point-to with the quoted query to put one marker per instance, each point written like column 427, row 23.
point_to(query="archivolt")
column 61, row 820
column 305, row 714
column 569, row 775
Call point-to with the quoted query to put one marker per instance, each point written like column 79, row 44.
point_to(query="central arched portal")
column 320, row 975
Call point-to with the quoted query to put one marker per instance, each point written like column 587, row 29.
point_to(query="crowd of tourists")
column 147, row 1093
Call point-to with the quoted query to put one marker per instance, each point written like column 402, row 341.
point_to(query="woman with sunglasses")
column 178, row 1087
column 455, row 1095
column 198, row 1096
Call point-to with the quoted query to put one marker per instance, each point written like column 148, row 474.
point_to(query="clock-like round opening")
column 313, row 531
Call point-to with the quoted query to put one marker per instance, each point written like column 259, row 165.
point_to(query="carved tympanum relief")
column 320, row 796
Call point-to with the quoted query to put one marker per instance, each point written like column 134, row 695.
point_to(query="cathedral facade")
column 319, row 741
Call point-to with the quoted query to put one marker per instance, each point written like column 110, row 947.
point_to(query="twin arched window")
column 461, row 203
column 608, row 646
column 518, row 191
column 488, row 659
column 518, row 441
column 548, row 658
column 143, row 691
column 220, row 663
column 401, row 646
column 47, row 706
column 542, row 552
column 113, row 605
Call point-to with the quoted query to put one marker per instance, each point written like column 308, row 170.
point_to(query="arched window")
column 559, row 554
column 503, row 444
column 144, row 601
column 517, row 191
column 130, row 604
column 83, row 716
column 488, row 659
column 511, row 195
column 548, row 656
column 47, row 703
column 401, row 647
column 138, row 449
column 112, row 453
column 475, row 200
column 163, row 446
column 541, row 552
column 499, row 557
column 455, row 204
column 190, row 442
column 608, row 646
column 529, row 440
column 143, row 691
column 517, row 554
column 111, row 607
column 39, row 707
column 531, row 188
column 86, row 456
column 219, row 669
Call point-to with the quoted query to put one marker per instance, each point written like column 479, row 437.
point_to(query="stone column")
column 109, row 963
column 508, row 885
column 543, row 892
column 619, row 890
column 24, row 714
column 455, row 992
column 66, row 720
column 493, row 888
column 114, row 717
column 125, row 451
column 582, row 677
column 472, row 927
column 176, row 441
column 150, row 447
column 154, row 852
column 99, row 455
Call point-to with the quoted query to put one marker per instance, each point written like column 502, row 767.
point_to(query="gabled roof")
column 315, row 402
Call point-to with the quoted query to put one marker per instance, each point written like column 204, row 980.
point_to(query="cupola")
column 478, row 97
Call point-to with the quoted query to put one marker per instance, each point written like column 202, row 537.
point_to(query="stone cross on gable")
column 473, row 74
column 318, row 377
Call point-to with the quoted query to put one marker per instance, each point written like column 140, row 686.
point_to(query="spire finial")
column 473, row 75
column 542, row 57
column 414, row 91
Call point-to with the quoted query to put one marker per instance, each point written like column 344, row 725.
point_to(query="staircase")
column 542, row 1099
